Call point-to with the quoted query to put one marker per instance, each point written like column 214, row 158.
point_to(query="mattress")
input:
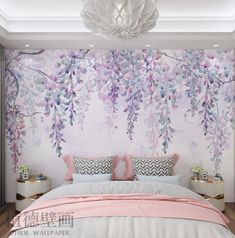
column 123, row 226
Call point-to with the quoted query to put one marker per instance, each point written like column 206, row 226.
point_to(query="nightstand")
column 27, row 191
column 211, row 190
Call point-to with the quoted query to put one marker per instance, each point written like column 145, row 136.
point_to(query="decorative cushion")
column 69, row 161
column 99, row 166
column 153, row 167
column 123, row 168
column 162, row 179
column 86, row 178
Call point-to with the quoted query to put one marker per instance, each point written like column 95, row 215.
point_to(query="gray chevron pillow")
column 153, row 167
column 98, row 166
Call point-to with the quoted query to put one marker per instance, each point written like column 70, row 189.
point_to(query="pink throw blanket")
column 134, row 205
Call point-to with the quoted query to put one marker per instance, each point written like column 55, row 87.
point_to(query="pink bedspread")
column 134, row 205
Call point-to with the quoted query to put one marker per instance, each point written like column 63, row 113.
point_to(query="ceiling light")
column 215, row 45
column 26, row 45
column 91, row 45
column 147, row 45
column 119, row 19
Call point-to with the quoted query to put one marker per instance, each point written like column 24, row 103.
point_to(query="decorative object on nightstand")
column 218, row 177
column 24, row 172
column 205, row 175
column 212, row 190
column 29, row 190
column 197, row 170
column 41, row 177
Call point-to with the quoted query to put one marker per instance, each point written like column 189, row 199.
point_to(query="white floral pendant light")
column 119, row 19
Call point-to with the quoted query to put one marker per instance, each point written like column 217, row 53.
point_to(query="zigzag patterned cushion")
column 99, row 166
column 153, row 167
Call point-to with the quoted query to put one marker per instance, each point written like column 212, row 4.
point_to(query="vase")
column 24, row 175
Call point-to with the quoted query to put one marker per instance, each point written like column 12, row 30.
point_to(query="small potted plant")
column 24, row 172
column 196, row 169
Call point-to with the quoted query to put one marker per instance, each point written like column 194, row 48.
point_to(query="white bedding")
column 125, row 227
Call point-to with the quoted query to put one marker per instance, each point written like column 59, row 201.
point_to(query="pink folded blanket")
column 117, row 205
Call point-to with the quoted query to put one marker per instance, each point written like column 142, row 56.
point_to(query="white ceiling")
column 57, row 24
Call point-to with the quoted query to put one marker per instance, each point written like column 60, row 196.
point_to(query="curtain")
column 2, row 133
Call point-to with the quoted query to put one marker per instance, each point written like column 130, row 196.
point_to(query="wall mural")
column 57, row 86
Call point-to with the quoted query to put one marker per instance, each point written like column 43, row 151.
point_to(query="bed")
column 141, row 214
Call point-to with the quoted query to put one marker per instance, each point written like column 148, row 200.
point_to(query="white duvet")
column 125, row 227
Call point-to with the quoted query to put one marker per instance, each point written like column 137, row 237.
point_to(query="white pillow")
column 163, row 179
column 86, row 178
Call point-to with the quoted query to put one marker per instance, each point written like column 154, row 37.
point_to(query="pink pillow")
column 122, row 168
column 68, row 159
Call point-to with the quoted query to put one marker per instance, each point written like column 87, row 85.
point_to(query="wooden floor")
column 5, row 217
column 230, row 214
column 9, row 213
